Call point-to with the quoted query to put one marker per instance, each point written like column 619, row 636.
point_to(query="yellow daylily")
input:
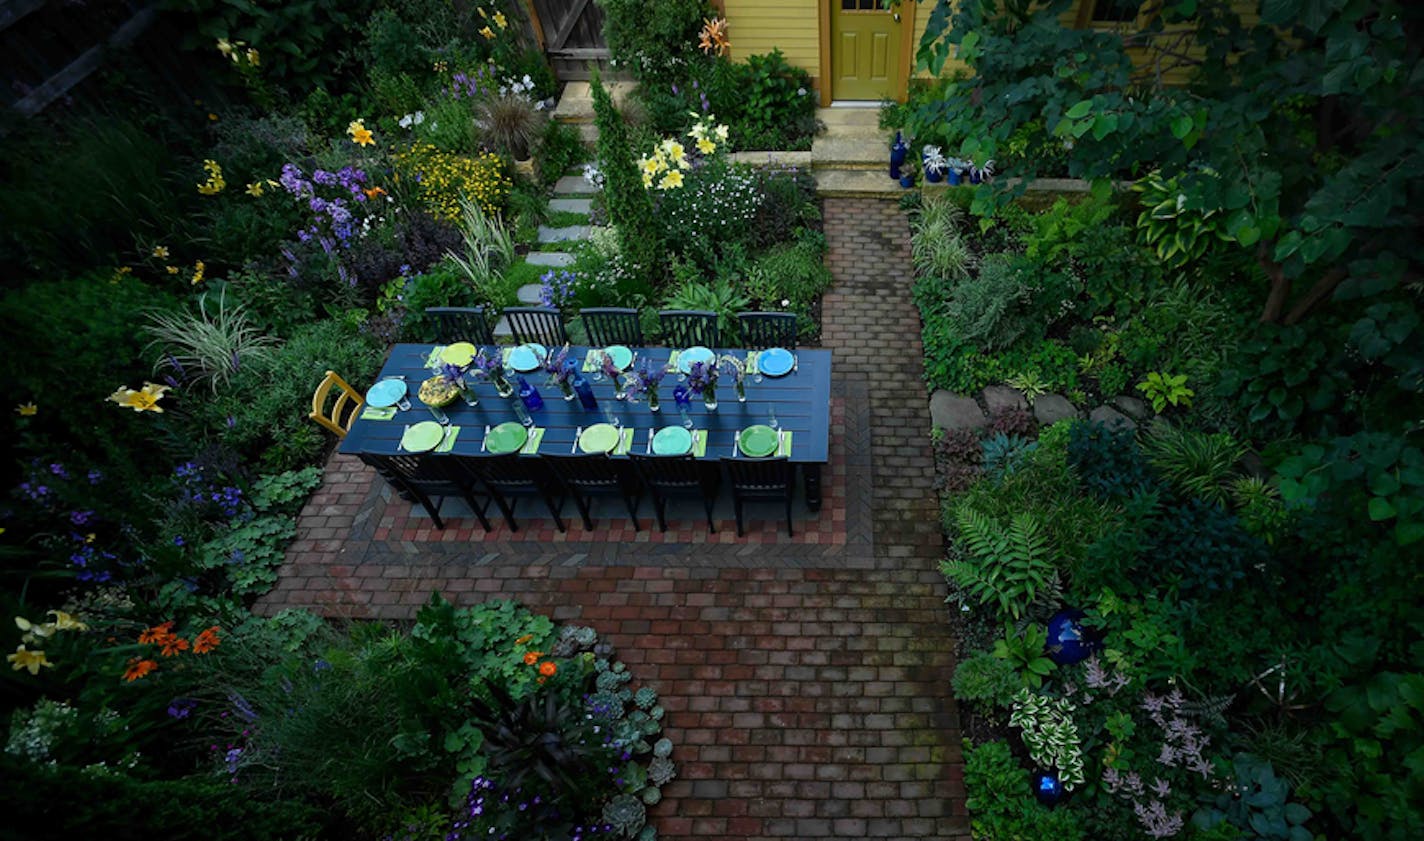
column 171, row 269
column 161, row 252
column 64, row 622
column 33, row 631
column 488, row 33
column 500, row 20
column 360, row 135
column 26, row 410
column 671, row 180
column 721, row 132
column 215, row 182
column 706, row 146
column 225, row 47
column 647, row 180
column 140, row 401
column 698, row 132
column 652, row 166
column 255, row 189
column 254, row 58
column 26, row 659
column 198, row 271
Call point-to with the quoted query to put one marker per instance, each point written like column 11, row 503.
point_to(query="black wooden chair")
column 509, row 476
column 762, row 330
column 427, row 476
column 612, row 326
column 461, row 324
column 688, row 328
column 588, row 476
column 537, row 324
column 763, row 479
column 679, row 476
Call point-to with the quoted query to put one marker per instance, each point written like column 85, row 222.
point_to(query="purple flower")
column 95, row 477
column 178, row 540
column 81, row 518
column 181, row 707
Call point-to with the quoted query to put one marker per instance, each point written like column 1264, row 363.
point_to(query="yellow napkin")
column 784, row 448
column 699, row 443
column 625, row 442
column 433, row 360
column 752, row 362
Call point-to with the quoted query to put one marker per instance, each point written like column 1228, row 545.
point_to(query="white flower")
column 786, row 302
column 800, row 91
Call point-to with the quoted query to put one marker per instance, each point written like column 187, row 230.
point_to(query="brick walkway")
column 806, row 680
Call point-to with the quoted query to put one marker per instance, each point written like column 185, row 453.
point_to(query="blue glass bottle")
column 530, row 395
column 584, row 391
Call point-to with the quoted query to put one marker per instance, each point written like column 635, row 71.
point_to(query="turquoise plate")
column 672, row 441
column 526, row 358
column 385, row 393
column 776, row 362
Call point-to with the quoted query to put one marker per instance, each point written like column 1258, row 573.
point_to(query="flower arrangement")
column 736, row 368
column 644, row 379
column 491, row 366
column 702, row 379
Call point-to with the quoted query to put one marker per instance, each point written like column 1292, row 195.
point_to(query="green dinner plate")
column 622, row 356
column 757, row 441
column 459, row 353
column 672, row 441
column 508, row 437
column 422, row 437
column 599, row 438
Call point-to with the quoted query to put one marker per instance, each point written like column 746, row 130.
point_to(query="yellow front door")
column 865, row 50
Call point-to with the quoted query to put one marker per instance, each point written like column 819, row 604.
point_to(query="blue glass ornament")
column 1047, row 787
column 1069, row 640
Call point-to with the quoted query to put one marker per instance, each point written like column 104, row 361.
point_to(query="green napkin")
column 784, row 449
column 752, row 362
column 372, row 413
column 625, row 442
column 449, row 442
column 672, row 360
column 504, row 355
column 699, row 443
column 433, row 360
column 593, row 361
column 531, row 444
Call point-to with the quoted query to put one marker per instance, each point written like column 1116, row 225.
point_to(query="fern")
column 1006, row 567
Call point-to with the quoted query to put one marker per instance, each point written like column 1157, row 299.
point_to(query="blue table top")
column 802, row 401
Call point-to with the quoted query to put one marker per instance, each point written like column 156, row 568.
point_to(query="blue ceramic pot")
column 933, row 177
column 895, row 172
column 1069, row 640
column 1047, row 788
column 954, row 178
column 907, row 181
column 898, row 150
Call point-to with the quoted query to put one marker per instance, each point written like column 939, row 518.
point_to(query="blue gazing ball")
column 1069, row 640
column 1047, row 788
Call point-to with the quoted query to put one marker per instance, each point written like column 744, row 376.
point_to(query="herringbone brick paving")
column 806, row 683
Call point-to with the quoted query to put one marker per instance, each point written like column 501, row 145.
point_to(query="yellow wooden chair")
column 344, row 408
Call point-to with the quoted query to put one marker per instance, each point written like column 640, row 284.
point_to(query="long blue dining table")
column 801, row 401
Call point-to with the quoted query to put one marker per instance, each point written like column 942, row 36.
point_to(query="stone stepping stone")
column 1001, row 398
column 955, row 411
column 574, row 185
column 529, row 294
column 556, row 259
column 569, row 234
column 571, row 205
column 1051, row 408
column 1131, row 406
column 1108, row 416
column 502, row 328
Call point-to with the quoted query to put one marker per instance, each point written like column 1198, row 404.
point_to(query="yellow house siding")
column 758, row 26
column 922, row 21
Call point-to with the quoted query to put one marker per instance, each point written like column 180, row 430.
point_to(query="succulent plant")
column 651, row 795
column 611, row 681
column 648, row 834
column 625, row 813
column 605, row 705
column 661, row 770
column 585, row 636
column 663, row 748
column 645, row 698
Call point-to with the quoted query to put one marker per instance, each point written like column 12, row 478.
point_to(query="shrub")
column 719, row 296
column 986, row 681
column 207, row 348
column 630, row 208
column 1195, row 463
column 560, row 149
column 1108, row 461
column 509, row 121
column 656, row 41
column 990, row 310
column 712, row 211
column 1004, row 564
column 1203, row 549
column 778, row 110
column 1000, row 803
column 788, row 206
column 488, row 251
column 937, row 246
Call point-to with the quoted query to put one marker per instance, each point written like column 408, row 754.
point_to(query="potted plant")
column 899, row 150
column 980, row 174
column 907, row 174
column 935, row 164
column 957, row 167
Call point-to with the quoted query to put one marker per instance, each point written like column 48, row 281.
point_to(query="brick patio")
column 806, row 679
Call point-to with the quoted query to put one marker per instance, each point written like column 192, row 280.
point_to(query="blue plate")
column 526, row 358
column 776, row 362
column 385, row 393
column 693, row 354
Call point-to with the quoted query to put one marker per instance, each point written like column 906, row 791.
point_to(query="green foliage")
column 1000, row 803
column 1179, row 234
column 1376, row 475
column 990, row 310
column 630, row 209
column 719, row 296
column 1050, row 735
column 777, row 107
column 488, row 252
column 1108, row 460
column 1287, row 378
column 207, row 348
column 653, row 41
column 937, row 245
column 559, row 150
column 1260, row 509
column 1196, row 463
column 1003, row 454
column 1025, row 651
column 1164, row 389
column 788, row 209
column 986, row 681
column 1257, row 802
column 1203, row 549
column 1006, row 567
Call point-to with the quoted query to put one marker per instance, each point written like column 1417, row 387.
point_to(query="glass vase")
column 620, row 391
column 471, row 399
column 653, row 404
column 501, row 383
column 709, row 397
column 741, row 388
column 566, row 387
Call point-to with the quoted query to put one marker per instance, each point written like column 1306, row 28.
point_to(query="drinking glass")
column 771, row 420
column 521, row 412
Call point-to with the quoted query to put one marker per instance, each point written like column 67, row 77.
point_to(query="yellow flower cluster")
column 33, row 661
column 360, row 135
column 233, row 50
column 667, row 160
column 140, row 401
column 704, row 130
column 215, row 182
column 441, row 178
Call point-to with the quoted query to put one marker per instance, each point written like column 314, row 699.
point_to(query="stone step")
column 851, row 122
column 529, row 293
column 574, row 185
column 571, row 205
column 502, row 328
column 850, row 153
column 555, row 259
column 851, row 183
column 576, row 102
column 781, row 159
column 569, row 234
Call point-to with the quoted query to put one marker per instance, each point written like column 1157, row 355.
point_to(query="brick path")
column 806, row 680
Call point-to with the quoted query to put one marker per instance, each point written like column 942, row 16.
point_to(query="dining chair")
column 461, row 324
column 687, row 328
column 427, row 476
column 761, row 479
column 679, row 476
column 537, row 324
column 762, row 330
column 344, row 408
column 507, row 477
column 612, row 326
column 588, row 476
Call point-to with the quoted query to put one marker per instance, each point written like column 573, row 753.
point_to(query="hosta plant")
column 1166, row 389
column 1050, row 734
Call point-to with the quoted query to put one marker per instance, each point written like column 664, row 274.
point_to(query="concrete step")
column 574, row 185
column 571, row 233
column 851, row 183
column 576, row 103
column 571, row 205
column 850, row 153
column 554, row 259
column 529, row 293
column 780, row 159
column 850, row 122
column 502, row 328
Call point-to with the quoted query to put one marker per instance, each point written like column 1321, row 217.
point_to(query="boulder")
column 1001, row 397
column 956, row 411
column 1051, row 408
column 1131, row 406
column 1108, row 416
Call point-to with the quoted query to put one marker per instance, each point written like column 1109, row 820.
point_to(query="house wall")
column 757, row 26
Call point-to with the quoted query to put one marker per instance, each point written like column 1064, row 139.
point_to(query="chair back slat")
column 508, row 473
column 537, row 324
column 762, row 330
column 461, row 324
column 760, row 477
column 675, row 473
column 687, row 328
column 612, row 326
column 344, row 408
column 593, row 473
